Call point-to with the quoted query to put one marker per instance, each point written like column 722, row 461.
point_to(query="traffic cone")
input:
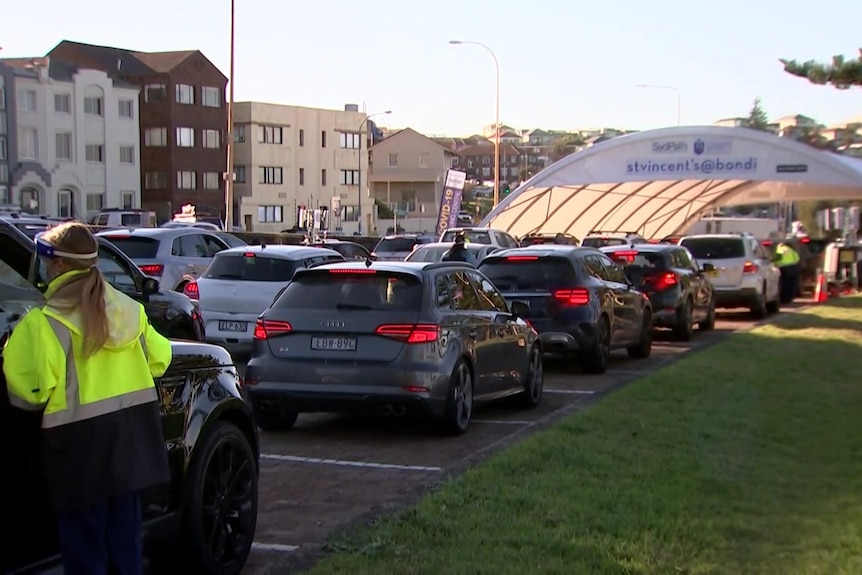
column 821, row 293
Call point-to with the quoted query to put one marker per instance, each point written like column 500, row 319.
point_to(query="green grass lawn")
column 743, row 458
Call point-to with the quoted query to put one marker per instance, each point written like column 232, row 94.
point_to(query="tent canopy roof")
column 659, row 182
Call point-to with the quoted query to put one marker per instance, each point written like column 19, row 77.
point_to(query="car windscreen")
column 136, row 247
column 604, row 242
column 395, row 245
column 714, row 248
column 472, row 236
column 528, row 273
column 361, row 290
column 428, row 254
column 251, row 267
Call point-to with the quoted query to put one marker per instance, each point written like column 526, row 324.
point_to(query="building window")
column 301, row 137
column 185, row 94
column 95, row 153
column 301, row 176
column 393, row 160
column 323, row 177
column 323, row 139
column 155, row 180
column 270, row 135
column 63, row 103
column 186, row 137
column 2, row 97
column 349, row 177
column 4, row 195
column 239, row 133
column 27, row 101
column 28, row 144
column 486, row 159
column 126, row 108
column 63, row 142
column 155, row 93
column 270, row 214
column 156, row 137
column 211, row 97
column 454, row 161
column 212, row 138
column 127, row 154
column 95, row 202
column 350, row 213
column 4, row 153
column 2, row 123
column 349, row 140
column 211, row 180
column 423, row 160
column 93, row 106
column 271, row 175
column 239, row 174
column 65, row 209
column 187, row 180
column 128, row 200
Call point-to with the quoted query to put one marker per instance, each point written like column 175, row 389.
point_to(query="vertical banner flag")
column 450, row 203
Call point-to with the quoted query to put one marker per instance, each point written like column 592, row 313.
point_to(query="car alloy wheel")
column 535, row 383
column 463, row 396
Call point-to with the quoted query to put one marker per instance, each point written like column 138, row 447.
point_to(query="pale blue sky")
column 564, row 65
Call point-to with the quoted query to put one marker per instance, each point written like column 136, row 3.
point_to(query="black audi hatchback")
column 578, row 299
column 207, row 513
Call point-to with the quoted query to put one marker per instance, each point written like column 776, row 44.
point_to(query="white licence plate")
column 334, row 343
column 239, row 326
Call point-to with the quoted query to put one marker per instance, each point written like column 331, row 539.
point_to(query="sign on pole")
column 450, row 202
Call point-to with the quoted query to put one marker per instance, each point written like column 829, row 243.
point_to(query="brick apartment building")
column 183, row 122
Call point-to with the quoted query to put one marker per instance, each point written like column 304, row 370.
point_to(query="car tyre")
column 758, row 308
column 774, row 306
column 534, row 380
column 595, row 361
column 220, row 502
column 644, row 347
column 683, row 330
column 280, row 420
column 709, row 323
column 459, row 402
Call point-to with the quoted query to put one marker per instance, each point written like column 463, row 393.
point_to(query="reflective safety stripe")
column 16, row 401
column 74, row 410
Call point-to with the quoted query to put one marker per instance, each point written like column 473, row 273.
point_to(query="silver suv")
column 744, row 275
column 599, row 239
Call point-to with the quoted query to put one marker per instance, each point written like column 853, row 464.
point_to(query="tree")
column 565, row 145
column 841, row 73
column 757, row 118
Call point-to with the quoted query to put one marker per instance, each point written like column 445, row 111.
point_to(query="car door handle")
column 190, row 265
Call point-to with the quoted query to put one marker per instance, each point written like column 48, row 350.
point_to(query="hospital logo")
column 699, row 147
column 720, row 147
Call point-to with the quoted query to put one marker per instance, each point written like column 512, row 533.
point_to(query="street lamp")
column 359, row 163
column 672, row 89
column 229, row 174
column 497, row 115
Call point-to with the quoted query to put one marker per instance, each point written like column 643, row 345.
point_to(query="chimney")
column 351, row 107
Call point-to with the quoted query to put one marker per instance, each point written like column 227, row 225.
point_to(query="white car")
column 240, row 283
column 488, row 236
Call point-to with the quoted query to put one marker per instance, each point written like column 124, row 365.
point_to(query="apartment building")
column 7, row 124
column 72, row 144
column 182, row 122
column 289, row 159
column 478, row 162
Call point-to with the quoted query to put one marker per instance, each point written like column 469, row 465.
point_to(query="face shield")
column 43, row 254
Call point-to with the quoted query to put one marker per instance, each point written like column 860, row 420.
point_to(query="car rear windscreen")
column 604, row 242
column 714, row 248
column 341, row 289
column 136, row 247
column 471, row 236
column 251, row 268
column 32, row 230
column 396, row 245
column 519, row 273
column 645, row 261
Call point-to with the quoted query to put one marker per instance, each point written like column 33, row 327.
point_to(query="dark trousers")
column 789, row 283
column 102, row 539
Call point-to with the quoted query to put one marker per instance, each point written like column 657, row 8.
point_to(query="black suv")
column 679, row 289
column 172, row 314
column 578, row 299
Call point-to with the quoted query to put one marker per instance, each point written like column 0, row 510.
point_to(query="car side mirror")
column 706, row 268
column 151, row 286
column 520, row 309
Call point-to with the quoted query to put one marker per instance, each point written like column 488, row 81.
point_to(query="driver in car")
column 86, row 361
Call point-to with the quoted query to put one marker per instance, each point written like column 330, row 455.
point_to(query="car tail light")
column 577, row 296
column 750, row 268
column 152, row 269
column 352, row 271
column 522, row 258
column 408, row 333
column 191, row 290
column 766, row 243
column 267, row 328
column 627, row 256
column 805, row 240
column 248, row 255
column 662, row 281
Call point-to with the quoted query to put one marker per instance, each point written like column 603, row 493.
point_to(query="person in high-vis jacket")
column 87, row 360
column 787, row 259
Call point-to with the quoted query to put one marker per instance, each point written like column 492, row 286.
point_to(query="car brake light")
column 352, row 271
column 191, row 290
column 408, row 333
column 248, row 255
column 805, row 240
column 626, row 256
column 662, row 281
column 267, row 328
column 522, row 258
column 750, row 268
column 152, row 269
column 577, row 296
column 767, row 243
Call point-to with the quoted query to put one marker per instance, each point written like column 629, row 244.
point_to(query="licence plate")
column 334, row 343
column 233, row 326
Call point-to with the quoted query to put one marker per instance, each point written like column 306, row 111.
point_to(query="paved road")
column 331, row 471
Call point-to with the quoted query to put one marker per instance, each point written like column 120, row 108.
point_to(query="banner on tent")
column 450, row 202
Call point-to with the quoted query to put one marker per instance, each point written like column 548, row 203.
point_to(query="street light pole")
column 672, row 89
column 359, row 164
column 496, row 115
column 229, row 174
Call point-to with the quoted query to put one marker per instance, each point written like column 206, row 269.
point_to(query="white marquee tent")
column 659, row 182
